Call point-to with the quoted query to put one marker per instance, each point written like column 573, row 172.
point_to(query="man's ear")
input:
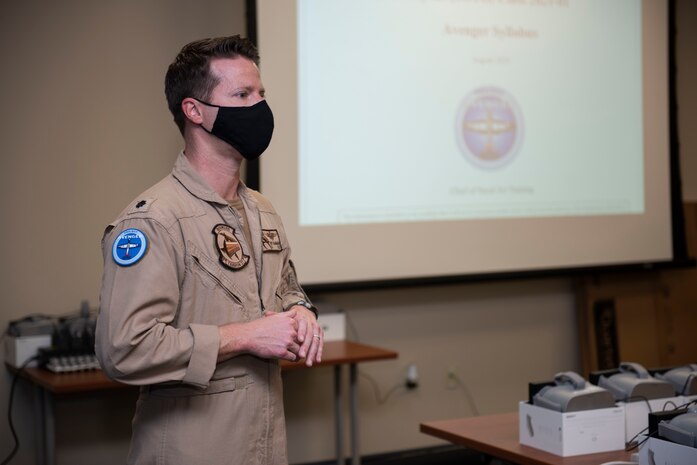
column 192, row 110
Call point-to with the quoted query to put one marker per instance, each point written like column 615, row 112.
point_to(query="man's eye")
column 242, row 94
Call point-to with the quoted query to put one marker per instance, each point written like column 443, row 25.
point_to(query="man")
column 199, row 299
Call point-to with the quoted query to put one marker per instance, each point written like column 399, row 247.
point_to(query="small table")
column 497, row 435
column 48, row 385
column 338, row 353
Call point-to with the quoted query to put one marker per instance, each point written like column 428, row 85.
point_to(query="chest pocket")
column 212, row 293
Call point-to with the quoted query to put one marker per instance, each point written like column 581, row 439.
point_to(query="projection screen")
column 440, row 138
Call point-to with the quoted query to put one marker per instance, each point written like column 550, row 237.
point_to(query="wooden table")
column 497, row 435
column 49, row 385
column 338, row 354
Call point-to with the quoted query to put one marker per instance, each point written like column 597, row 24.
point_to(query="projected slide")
column 428, row 110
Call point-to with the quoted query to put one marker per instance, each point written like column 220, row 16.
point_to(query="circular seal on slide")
column 489, row 128
column 129, row 247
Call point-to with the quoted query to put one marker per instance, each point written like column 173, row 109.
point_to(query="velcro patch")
column 229, row 248
column 129, row 247
column 270, row 241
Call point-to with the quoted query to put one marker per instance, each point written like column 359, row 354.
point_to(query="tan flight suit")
column 159, row 318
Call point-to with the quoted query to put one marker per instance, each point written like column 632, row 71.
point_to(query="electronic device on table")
column 633, row 383
column 683, row 379
column 60, row 344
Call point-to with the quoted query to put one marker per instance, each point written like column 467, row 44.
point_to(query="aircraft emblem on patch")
column 270, row 240
column 229, row 248
column 129, row 247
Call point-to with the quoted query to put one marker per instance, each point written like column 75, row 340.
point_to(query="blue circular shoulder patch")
column 129, row 247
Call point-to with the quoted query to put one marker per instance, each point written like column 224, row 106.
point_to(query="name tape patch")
column 129, row 247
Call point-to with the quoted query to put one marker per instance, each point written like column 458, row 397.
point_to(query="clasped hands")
column 309, row 335
column 291, row 335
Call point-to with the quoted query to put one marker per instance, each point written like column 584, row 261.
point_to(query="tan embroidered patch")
column 270, row 240
column 229, row 248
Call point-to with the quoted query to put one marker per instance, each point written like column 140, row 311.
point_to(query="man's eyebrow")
column 239, row 88
column 247, row 88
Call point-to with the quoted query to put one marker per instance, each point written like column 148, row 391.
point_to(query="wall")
column 686, row 44
column 85, row 129
column 494, row 336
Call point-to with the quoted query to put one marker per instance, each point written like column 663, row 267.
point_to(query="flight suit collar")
column 194, row 182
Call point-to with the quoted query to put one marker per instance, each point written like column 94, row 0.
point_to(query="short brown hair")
column 189, row 74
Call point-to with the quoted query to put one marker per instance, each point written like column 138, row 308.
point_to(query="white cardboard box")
column 571, row 433
column 20, row 349
column 637, row 413
column 660, row 452
column 333, row 325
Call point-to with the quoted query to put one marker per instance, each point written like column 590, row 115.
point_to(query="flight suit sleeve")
column 137, row 340
column 289, row 289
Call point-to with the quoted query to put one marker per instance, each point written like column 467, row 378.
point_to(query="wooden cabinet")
column 648, row 317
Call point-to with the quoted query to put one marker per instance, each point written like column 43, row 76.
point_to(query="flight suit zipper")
column 239, row 218
column 217, row 280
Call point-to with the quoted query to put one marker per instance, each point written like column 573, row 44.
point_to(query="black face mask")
column 247, row 129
